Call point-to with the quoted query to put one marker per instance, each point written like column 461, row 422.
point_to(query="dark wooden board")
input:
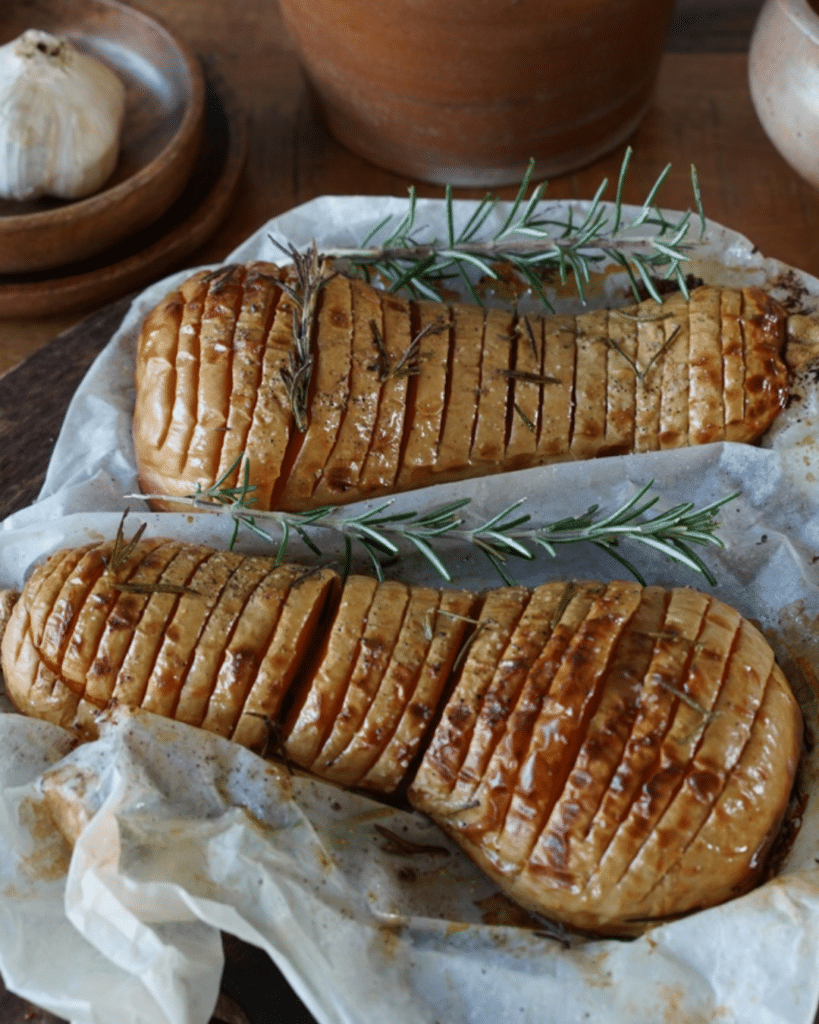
column 34, row 397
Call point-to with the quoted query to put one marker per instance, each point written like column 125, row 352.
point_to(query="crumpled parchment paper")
column 370, row 912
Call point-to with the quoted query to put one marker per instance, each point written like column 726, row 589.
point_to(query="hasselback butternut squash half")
column 403, row 394
column 610, row 754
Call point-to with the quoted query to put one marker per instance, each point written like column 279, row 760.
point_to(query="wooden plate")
column 164, row 112
column 158, row 249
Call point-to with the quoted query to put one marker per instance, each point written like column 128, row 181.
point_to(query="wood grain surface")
column 701, row 114
column 712, row 26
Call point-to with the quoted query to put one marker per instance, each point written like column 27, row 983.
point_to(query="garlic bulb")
column 60, row 119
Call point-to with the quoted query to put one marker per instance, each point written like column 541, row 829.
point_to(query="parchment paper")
column 180, row 834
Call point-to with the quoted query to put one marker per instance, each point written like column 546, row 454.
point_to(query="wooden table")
column 701, row 114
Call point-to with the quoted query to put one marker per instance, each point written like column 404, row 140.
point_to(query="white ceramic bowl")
column 783, row 72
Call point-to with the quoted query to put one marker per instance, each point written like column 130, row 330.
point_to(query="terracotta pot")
column 783, row 70
column 467, row 91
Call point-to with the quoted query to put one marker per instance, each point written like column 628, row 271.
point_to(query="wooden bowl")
column 158, row 249
column 162, row 130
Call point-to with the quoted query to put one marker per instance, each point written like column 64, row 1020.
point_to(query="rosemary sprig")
column 122, row 549
column 121, row 552
column 531, row 240
column 407, row 364
column 642, row 374
column 311, row 276
column 510, row 533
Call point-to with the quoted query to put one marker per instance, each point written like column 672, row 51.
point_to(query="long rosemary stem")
column 531, row 237
column 532, row 248
column 508, row 533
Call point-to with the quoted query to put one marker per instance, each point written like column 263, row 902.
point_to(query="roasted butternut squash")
column 610, row 754
column 404, row 394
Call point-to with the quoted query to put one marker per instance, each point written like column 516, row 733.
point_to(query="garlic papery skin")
column 61, row 114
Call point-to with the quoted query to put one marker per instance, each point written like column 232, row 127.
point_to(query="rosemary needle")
column 507, row 534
